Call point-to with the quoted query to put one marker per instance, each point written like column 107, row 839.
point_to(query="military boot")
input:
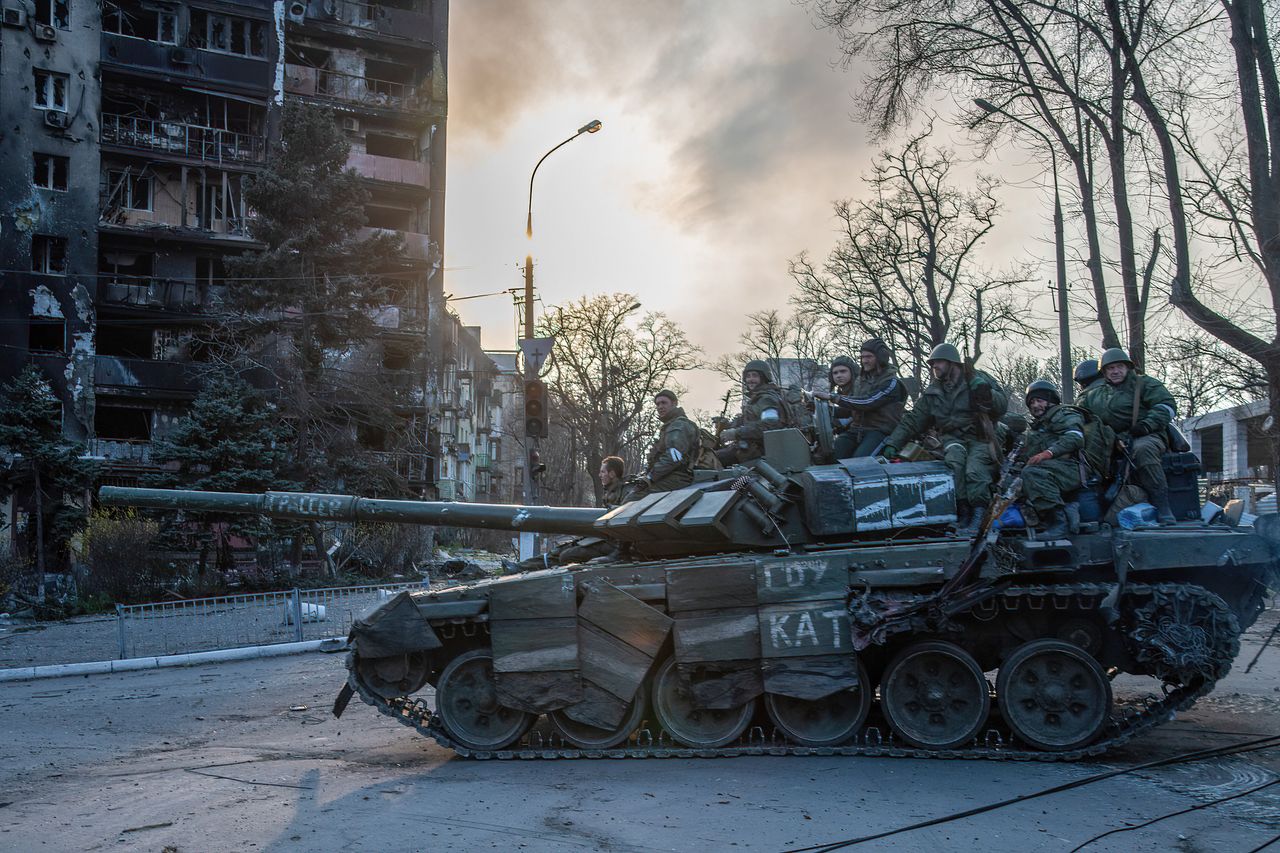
column 1055, row 526
column 970, row 523
column 963, row 512
column 1157, row 488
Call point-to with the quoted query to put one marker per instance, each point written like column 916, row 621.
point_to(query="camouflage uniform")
column 751, row 425
column 672, row 456
column 1113, row 404
column 582, row 549
column 967, row 449
column 1060, row 430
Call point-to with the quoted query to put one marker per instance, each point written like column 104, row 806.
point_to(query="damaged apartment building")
column 128, row 130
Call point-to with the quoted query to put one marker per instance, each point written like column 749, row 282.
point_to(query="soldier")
column 580, row 550
column 1087, row 374
column 871, row 404
column 962, row 405
column 672, row 456
column 763, row 409
column 1139, row 408
column 1052, row 466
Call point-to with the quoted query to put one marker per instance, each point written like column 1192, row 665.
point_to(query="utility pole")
column 1064, row 321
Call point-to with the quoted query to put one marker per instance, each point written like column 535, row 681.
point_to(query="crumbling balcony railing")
column 208, row 144
column 352, row 88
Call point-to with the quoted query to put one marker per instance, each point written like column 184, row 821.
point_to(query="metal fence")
column 233, row 621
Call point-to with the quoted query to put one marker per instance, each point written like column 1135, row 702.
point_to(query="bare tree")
column 797, row 349
column 605, row 371
column 1054, row 74
column 1204, row 374
column 904, row 268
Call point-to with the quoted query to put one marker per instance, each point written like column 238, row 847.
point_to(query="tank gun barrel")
column 307, row 506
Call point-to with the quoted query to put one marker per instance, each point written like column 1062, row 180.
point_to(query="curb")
column 102, row 667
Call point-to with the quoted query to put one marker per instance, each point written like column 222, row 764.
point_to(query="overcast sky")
column 728, row 132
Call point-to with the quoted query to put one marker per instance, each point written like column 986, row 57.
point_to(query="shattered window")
column 240, row 36
column 50, row 171
column 167, row 28
column 128, row 190
column 50, row 90
column 49, row 254
column 54, row 13
column 47, row 336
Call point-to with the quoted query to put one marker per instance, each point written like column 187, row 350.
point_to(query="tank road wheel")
column 1053, row 695
column 701, row 728
column 395, row 676
column 467, row 702
column 829, row 721
column 935, row 696
column 584, row 736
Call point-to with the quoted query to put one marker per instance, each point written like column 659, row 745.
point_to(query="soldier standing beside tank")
column 872, row 403
column 763, row 409
column 962, row 405
column 1139, row 408
column 672, row 456
column 1052, row 466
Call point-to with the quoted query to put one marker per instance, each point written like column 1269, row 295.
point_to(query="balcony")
column 452, row 490
column 164, row 294
column 390, row 169
column 348, row 88
column 145, row 377
column 121, row 451
column 128, row 54
column 482, row 461
column 418, row 247
column 385, row 20
column 207, row 144
column 414, row 467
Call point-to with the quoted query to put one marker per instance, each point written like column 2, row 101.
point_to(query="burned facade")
column 130, row 129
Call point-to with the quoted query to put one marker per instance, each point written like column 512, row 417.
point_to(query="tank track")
column 1125, row 725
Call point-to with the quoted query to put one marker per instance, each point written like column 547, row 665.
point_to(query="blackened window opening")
column 121, row 423
column 47, row 336
column 49, row 171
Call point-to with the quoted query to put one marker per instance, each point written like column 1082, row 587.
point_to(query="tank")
column 788, row 608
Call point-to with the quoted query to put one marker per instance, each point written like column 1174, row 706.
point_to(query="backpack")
column 1099, row 443
column 797, row 409
column 706, row 459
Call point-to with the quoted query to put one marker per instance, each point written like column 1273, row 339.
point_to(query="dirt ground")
column 246, row 756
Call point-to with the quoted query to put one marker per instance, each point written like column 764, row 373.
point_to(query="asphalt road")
column 245, row 756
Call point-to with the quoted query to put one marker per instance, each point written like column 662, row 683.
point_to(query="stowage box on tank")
column 789, row 608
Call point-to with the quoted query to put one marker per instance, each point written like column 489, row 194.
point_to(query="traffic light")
column 535, row 408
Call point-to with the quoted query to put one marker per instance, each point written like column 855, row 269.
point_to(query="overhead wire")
column 1268, row 742
column 1187, row 810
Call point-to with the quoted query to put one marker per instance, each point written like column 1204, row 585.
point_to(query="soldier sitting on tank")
column 763, row 409
column 1139, row 408
column 1050, row 458
column 1087, row 374
column 582, row 549
column 869, row 401
column 962, row 405
column 672, row 456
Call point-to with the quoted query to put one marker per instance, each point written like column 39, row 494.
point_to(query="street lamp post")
column 527, row 541
column 1059, row 245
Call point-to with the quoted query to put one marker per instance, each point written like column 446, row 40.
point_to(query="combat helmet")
column 760, row 366
column 1087, row 371
column 1115, row 355
column 1043, row 388
column 946, row 352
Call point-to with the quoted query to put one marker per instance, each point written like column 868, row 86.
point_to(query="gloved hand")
column 822, row 395
column 1140, row 429
column 728, row 436
column 980, row 395
column 1042, row 456
column 642, row 483
column 888, row 451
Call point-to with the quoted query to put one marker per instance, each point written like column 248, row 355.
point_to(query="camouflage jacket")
column 1113, row 404
column 676, row 448
column 946, row 408
column 1060, row 430
column 614, row 494
column 755, row 403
